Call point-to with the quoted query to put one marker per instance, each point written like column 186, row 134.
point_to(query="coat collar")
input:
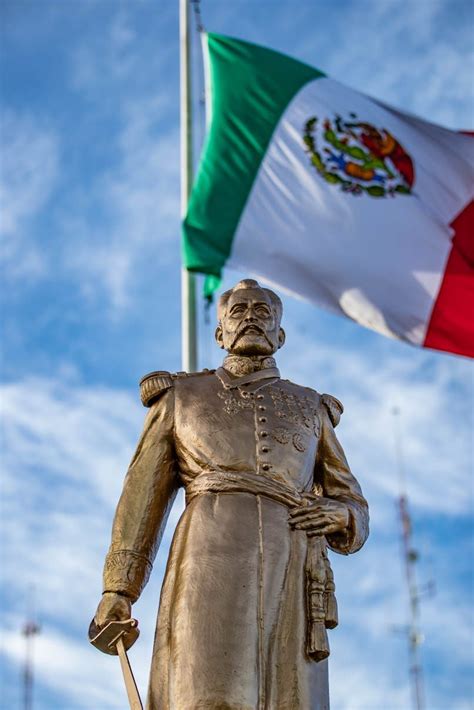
column 240, row 365
column 229, row 381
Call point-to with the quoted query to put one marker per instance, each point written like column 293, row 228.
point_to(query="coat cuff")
column 126, row 572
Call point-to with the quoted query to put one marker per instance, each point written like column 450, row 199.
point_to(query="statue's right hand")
column 112, row 607
column 113, row 621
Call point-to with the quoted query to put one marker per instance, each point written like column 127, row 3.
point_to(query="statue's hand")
column 113, row 622
column 323, row 517
column 112, row 607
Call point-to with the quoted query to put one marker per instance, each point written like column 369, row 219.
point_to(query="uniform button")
column 261, row 408
column 263, row 434
column 265, row 449
column 266, row 466
column 260, row 396
column 262, row 419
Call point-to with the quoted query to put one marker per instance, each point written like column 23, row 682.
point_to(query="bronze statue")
column 248, row 592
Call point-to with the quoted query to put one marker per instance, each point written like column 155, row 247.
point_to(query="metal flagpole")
column 188, row 279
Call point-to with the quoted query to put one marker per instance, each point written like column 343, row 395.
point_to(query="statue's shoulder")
column 333, row 406
column 154, row 384
column 298, row 390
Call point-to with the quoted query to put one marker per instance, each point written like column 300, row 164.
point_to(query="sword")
column 115, row 639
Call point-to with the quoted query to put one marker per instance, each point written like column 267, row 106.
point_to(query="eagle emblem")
column 358, row 157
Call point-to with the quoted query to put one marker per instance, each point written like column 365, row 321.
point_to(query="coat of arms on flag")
column 358, row 156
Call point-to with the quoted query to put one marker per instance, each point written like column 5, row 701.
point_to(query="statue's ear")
column 281, row 337
column 219, row 337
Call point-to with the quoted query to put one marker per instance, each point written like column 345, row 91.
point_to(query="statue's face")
column 250, row 325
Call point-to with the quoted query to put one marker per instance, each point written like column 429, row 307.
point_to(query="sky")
column 90, row 254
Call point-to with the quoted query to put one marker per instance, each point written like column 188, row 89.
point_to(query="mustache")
column 247, row 327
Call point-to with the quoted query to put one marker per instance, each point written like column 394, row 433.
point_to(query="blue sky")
column 90, row 258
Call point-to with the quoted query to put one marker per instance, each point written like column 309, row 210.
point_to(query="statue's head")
column 249, row 320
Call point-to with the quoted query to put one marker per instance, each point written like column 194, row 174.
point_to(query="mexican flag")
column 334, row 196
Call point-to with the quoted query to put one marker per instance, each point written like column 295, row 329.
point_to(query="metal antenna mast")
column 29, row 631
column 410, row 557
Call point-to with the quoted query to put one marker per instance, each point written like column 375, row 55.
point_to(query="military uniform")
column 246, row 598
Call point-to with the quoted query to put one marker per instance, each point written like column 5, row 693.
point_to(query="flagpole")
column 188, row 279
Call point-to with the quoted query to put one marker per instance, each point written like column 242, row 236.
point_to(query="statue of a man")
column 248, row 592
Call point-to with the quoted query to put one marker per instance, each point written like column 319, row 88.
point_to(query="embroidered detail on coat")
column 234, row 401
column 281, row 435
column 298, row 410
column 299, row 442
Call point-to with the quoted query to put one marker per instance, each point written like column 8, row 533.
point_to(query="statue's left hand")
column 323, row 517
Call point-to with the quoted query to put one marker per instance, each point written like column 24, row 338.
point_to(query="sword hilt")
column 106, row 639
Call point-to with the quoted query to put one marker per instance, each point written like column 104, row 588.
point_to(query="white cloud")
column 140, row 201
column 403, row 55
column 135, row 222
column 353, row 686
column 120, row 56
column 112, row 57
column 414, row 66
column 61, row 662
column 28, row 175
column 108, row 229
column 66, row 450
column 80, row 434
column 62, row 555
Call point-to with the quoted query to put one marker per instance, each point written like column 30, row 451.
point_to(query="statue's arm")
column 332, row 472
column 148, row 493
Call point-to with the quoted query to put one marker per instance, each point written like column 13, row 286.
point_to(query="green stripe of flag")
column 250, row 87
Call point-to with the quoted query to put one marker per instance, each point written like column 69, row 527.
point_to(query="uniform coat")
column 232, row 624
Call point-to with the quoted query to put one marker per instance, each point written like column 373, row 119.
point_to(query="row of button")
column 263, row 434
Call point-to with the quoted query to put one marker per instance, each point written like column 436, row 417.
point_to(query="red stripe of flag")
column 451, row 325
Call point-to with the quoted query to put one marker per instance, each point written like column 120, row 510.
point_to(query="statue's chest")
column 279, row 407
column 262, row 427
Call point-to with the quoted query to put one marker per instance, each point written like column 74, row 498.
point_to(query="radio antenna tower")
column 29, row 631
column 410, row 557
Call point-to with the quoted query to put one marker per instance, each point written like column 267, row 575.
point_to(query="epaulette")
column 155, row 383
column 334, row 407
